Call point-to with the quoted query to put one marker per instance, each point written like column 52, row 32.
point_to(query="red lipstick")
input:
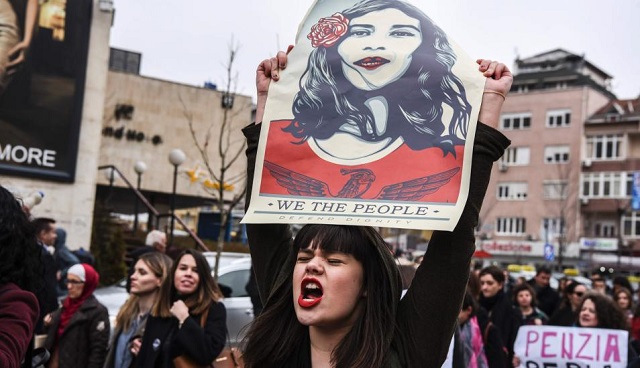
column 371, row 63
column 310, row 293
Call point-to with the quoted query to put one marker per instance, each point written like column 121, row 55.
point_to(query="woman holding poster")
column 332, row 295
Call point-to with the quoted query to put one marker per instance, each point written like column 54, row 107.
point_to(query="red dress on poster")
column 292, row 168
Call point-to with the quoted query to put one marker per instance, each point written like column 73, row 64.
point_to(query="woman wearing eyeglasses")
column 78, row 332
column 566, row 314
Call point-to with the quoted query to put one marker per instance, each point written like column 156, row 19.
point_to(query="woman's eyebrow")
column 368, row 26
column 396, row 26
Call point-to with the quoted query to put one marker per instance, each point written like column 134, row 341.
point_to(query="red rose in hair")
column 328, row 30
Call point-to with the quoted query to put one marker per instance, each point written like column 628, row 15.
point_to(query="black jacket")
column 83, row 343
column 163, row 341
column 504, row 316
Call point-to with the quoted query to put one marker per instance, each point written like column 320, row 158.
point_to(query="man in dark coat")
column 548, row 298
column 48, row 296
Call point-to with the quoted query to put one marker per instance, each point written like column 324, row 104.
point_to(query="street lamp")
column 176, row 158
column 140, row 167
column 111, row 175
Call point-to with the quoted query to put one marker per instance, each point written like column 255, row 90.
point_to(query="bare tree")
column 221, row 148
column 566, row 191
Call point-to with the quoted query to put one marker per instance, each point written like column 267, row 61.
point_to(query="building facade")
column 531, row 213
column 146, row 118
column 119, row 118
column 610, row 175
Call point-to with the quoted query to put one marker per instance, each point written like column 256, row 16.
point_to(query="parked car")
column 238, row 304
column 226, row 258
column 233, row 277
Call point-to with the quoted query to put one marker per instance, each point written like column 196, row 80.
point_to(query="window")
column 605, row 230
column 551, row 227
column 631, row 225
column 236, row 281
column 558, row 118
column 604, row 147
column 124, row 61
column 556, row 154
column 607, row 185
column 510, row 225
column 516, row 121
column 512, row 191
column 554, row 189
column 516, row 156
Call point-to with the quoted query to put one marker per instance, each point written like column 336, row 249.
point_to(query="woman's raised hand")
column 499, row 77
column 496, row 87
column 268, row 69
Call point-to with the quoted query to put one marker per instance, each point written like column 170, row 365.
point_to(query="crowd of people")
column 496, row 301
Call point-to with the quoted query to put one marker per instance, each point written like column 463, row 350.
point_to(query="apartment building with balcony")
column 611, row 160
column 531, row 213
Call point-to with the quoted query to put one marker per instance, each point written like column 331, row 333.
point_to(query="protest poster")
column 571, row 347
column 371, row 123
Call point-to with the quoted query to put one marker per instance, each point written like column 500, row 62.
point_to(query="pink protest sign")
column 571, row 347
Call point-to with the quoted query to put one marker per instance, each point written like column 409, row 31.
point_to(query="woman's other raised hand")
column 268, row 69
column 496, row 88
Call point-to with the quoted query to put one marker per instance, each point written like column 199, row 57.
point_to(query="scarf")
column 71, row 306
column 473, row 346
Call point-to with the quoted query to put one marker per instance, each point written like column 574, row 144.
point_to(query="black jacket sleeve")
column 428, row 312
column 269, row 243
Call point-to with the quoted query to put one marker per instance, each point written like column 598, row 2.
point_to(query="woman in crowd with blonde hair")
column 150, row 271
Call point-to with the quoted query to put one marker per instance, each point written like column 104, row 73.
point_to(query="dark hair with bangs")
column 495, row 272
column 335, row 239
column 19, row 250
column 276, row 338
column 206, row 293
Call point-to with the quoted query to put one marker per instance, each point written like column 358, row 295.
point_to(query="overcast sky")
column 187, row 41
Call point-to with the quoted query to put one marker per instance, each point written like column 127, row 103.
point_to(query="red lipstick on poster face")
column 371, row 63
column 310, row 293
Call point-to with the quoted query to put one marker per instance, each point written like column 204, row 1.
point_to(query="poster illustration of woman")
column 377, row 119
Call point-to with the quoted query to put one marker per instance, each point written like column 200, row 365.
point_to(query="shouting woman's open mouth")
column 372, row 63
column 311, row 293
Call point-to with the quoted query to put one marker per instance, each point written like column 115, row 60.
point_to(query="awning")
column 481, row 254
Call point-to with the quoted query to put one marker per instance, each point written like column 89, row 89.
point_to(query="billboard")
column 42, row 75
